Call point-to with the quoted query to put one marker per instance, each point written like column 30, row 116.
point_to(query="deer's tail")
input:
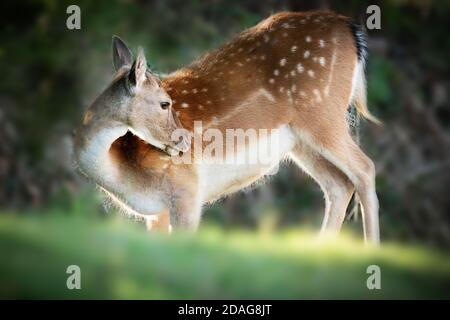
column 359, row 92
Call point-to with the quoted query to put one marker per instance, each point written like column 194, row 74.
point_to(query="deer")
column 294, row 72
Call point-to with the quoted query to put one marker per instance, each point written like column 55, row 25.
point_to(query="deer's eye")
column 165, row 105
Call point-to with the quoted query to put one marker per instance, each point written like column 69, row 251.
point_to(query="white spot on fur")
column 317, row 94
column 300, row 68
column 289, row 94
column 281, row 89
column 308, row 39
column 283, row 62
column 293, row 73
column 184, row 92
column 322, row 61
column 321, row 43
column 306, row 54
column 184, row 105
column 272, row 80
column 263, row 57
column 294, row 88
column 311, row 73
column 194, row 90
column 276, row 72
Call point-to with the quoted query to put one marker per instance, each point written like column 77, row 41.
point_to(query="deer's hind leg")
column 331, row 139
column 336, row 186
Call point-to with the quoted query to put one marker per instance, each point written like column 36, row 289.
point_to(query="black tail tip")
column 360, row 37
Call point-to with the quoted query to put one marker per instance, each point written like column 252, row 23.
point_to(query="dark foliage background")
column 50, row 74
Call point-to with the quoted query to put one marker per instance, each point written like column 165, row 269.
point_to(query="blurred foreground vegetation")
column 119, row 259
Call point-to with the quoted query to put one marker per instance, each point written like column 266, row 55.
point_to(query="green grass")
column 118, row 259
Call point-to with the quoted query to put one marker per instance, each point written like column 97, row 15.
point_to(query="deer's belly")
column 247, row 166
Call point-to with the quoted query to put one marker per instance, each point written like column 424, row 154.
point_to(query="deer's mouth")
column 172, row 149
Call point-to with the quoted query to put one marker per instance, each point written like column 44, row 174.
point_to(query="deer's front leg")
column 185, row 212
column 159, row 223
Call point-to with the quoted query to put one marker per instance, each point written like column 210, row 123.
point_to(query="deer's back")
column 283, row 66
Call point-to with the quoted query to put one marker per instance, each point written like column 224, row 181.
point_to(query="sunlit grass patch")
column 118, row 259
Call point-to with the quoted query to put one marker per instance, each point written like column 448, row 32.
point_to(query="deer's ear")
column 139, row 69
column 121, row 53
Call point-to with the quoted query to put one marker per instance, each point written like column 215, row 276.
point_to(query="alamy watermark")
column 73, row 21
column 374, row 280
column 73, row 281
column 231, row 146
column 374, row 19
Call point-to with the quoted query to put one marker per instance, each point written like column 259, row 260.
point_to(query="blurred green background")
column 255, row 243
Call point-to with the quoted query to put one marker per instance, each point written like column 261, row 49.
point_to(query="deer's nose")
column 183, row 143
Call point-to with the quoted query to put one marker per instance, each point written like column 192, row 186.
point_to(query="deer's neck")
column 93, row 151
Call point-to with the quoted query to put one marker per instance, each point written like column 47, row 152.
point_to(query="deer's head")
column 137, row 101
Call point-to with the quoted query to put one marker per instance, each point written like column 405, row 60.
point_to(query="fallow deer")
column 293, row 72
